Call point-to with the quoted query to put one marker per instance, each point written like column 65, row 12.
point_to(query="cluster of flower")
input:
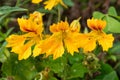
column 64, row 37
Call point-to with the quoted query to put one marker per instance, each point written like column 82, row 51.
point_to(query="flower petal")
column 87, row 42
column 53, row 46
column 25, row 51
column 106, row 41
column 96, row 24
column 71, row 42
column 36, row 1
column 15, row 40
column 51, row 3
column 37, row 50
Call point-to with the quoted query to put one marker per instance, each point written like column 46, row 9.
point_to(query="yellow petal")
column 36, row 1
column 106, row 41
column 37, row 50
column 87, row 42
column 15, row 40
column 90, row 45
column 17, row 49
column 26, row 51
column 23, row 23
column 26, row 54
column 50, row 4
column 53, row 46
column 58, row 51
column 71, row 43
column 37, row 17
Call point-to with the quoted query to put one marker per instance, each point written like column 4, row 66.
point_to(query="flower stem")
column 59, row 14
column 65, row 67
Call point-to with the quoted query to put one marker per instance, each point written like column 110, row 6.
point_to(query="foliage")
column 95, row 64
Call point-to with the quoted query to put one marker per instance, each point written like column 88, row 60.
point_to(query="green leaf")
column 3, row 79
column 8, row 9
column 42, row 10
column 2, row 35
column 98, row 15
column 9, row 31
column 113, row 25
column 76, row 58
column 56, row 65
column 111, row 76
column 53, row 78
column 115, row 48
column 68, row 2
column 77, row 70
column 4, row 52
column 106, row 68
column 112, row 11
column 113, row 57
column 19, row 70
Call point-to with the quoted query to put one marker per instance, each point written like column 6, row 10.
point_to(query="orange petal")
column 96, row 24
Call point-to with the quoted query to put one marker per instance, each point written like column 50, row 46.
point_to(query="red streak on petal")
column 28, row 30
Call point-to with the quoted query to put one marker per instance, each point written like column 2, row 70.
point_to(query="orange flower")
column 34, row 24
column 61, row 38
column 88, row 41
column 21, row 44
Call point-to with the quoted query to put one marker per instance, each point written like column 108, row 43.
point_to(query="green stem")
column 117, row 65
column 17, row 3
column 49, row 22
column 65, row 66
column 59, row 14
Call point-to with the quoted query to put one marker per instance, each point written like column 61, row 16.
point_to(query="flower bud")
column 75, row 25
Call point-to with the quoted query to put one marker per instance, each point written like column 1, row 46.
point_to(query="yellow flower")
column 36, row 1
column 21, row 44
column 96, row 24
column 88, row 41
column 51, row 3
column 34, row 24
column 61, row 38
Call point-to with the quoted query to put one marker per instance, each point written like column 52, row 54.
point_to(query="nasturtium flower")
column 61, row 39
column 32, row 28
column 97, row 35
column 49, row 4
column 36, row 1
column 34, row 24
